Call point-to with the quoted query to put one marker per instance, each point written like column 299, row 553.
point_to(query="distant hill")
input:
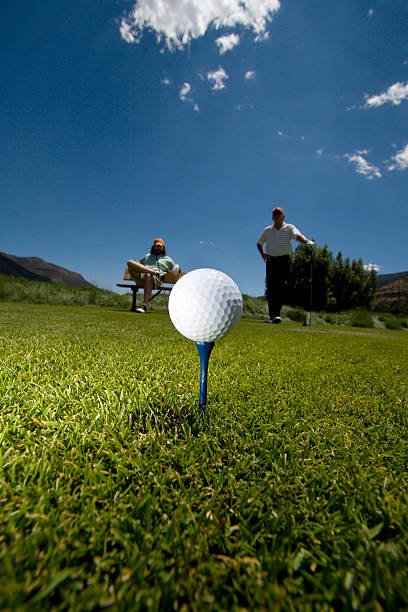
column 385, row 279
column 392, row 293
column 34, row 268
column 11, row 268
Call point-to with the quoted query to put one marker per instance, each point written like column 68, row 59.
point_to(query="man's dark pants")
column 277, row 277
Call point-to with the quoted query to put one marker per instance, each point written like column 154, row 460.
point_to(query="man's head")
column 278, row 216
column 158, row 247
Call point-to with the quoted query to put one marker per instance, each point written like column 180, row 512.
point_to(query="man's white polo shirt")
column 278, row 241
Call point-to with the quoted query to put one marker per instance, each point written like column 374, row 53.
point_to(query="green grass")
column 361, row 318
column 290, row 493
column 19, row 290
column 392, row 322
column 37, row 292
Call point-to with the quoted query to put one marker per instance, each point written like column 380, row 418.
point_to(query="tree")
column 336, row 284
column 309, row 279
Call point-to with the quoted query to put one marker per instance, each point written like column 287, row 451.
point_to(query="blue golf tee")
column 204, row 350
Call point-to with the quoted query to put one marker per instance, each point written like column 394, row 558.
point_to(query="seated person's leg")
column 148, row 287
column 135, row 268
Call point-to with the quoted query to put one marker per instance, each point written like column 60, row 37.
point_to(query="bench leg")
column 134, row 291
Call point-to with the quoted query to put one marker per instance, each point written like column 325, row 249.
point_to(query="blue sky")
column 122, row 122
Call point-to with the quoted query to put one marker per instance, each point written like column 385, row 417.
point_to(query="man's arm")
column 136, row 267
column 174, row 268
column 264, row 256
column 303, row 239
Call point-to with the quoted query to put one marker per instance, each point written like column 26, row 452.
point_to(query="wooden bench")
column 138, row 283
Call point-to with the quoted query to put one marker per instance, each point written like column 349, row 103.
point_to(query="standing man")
column 153, row 267
column 277, row 258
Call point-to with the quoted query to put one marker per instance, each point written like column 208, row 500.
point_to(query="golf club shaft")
column 311, row 287
column 204, row 350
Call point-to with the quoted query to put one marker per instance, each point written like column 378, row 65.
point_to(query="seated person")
column 153, row 267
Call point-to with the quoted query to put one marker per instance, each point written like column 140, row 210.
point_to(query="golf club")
column 308, row 323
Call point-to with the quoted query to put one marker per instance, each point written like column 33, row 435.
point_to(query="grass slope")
column 290, row 493
column 33, row 292
column 38, row 292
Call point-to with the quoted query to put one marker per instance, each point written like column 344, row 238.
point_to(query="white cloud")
column 218, row 77
column 177, row 22
column 394, row 94
column 226, row 43
column 363, row 167
column 250, row 75
column 166, row 81
column 369, row 267
column 185, row 96
column 370, row 12
column 320, row 151
column 400, row 160
column 184, row 91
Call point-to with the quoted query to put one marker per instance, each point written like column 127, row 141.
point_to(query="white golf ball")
column 205, row 304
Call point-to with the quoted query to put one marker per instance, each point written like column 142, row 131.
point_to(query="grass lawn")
column 290, row 493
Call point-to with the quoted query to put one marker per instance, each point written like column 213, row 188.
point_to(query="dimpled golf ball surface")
column 205, row 304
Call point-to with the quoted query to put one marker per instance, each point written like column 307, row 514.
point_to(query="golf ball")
column 205, row 304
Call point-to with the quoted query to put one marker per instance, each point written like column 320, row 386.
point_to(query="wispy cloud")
column 362, row 166
column 218, row 77
column 177, row 22
column 185, row 96
column 394, row 94
column 400, row 160
column 226, row 43
column 184, row 92
column 247, row 105
column 250, row 75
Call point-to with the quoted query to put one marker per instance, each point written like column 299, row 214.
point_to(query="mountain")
column 392, row 294
column 34, row 268
column 385, row 279
column 10, row 268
